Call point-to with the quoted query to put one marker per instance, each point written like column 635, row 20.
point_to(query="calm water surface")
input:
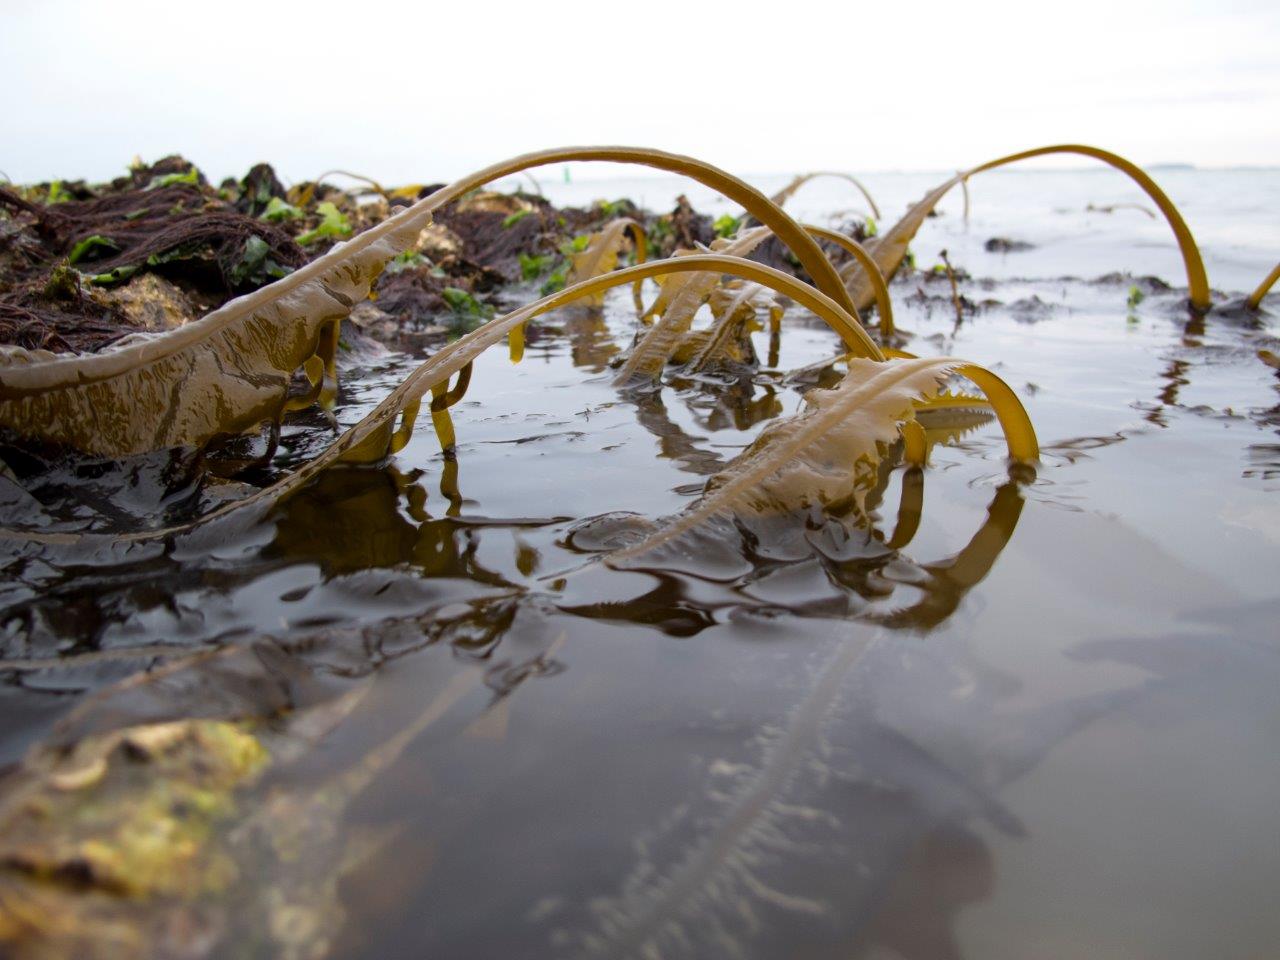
column 1044, row 724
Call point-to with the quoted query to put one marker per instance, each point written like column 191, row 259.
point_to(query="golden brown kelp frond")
column 601, row 254
column 890, row 248
column 223, row 374
column 734, row 306
column 861, row 258
column 230, row 371
column 1255, row 298
column 819, row 458
column 789, row 191
column 675, row 307
column 871, row 270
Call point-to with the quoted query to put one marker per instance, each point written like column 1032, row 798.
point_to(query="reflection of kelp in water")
column 735, row 406
column 351, row 520
column 949, row 580
column 591, row 345
column 348, row 521
column 864, row 565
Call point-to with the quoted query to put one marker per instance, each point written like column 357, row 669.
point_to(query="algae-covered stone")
column 153, row 303
column 120, row 821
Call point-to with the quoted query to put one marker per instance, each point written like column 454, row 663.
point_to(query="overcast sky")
column 414, row 92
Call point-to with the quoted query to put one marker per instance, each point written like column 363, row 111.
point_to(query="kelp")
column 230, row 371
column 306, row 193
column 890, row 248
column 789, row 191
column 818, row 461
column 734, row 306
column 1255, row 299
column 601, row 255
column 677, row 303
column 871, row 270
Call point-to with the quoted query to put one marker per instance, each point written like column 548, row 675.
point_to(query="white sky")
column 419, row 92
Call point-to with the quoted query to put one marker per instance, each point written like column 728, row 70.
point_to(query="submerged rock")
column 1006, row 245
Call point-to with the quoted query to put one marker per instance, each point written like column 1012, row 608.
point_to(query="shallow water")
column 1044, row 726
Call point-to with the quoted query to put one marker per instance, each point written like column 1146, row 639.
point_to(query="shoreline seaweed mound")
column 85, row 265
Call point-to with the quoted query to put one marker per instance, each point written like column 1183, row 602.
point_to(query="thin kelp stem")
column 442, row 398
column 890, row 248
column 915, row 448
column 789, row 191
column 1015, row 423
column 739, row 191
column 1197, row 281
column 374, row 429
column 640, row 246
column 955, row 289
column 309, row 190
column 537, row 187
column 878, row 286
column 1255, row 298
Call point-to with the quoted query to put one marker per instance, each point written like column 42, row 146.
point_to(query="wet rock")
column 152, row 303
column 438, row 243
column 373, row 323
column 690, row 227
column 1148, row 285
column 609, row 531
column 1006, row 245
column 1030, row 309
column 1238, row 313
column 363, row 343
